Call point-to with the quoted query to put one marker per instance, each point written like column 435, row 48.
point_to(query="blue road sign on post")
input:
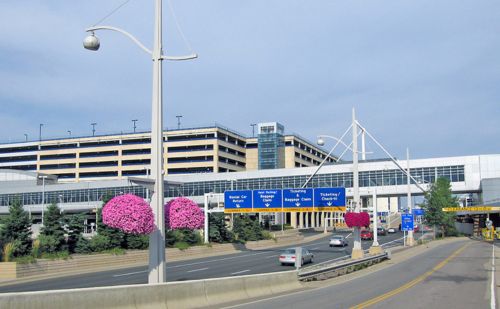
column 406, row 222
column 298, row 199
column 418, row 212
column 267, row 200
column 329, row 199
column 238, row 201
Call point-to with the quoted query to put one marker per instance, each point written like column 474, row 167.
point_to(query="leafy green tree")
column 438, row 197
column 74, row 227
column 115, row 237
column 53, row 230
column 17, row 228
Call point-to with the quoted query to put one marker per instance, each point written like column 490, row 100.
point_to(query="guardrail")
column 334, row 268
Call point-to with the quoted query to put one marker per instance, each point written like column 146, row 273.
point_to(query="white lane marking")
column 128, row 274
column 314, row 248
column 492, row 288
column 348, row 235
column 240, row 272
column 216, row 260
column 271, row 256
column 399, row 239
column 194, row 270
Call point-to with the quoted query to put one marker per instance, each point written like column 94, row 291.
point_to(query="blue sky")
column 423, row 74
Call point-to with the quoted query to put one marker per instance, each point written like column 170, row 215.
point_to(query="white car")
column 338, row 240
column 391, row 230
column 288, row 257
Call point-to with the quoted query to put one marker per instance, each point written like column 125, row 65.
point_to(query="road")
column 244, row 263
column 453, row 275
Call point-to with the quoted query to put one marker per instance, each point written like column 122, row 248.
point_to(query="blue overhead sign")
column 418, row 212
column 406, row 222
column 329, row 199
column 238, row 201
column 267, row 200
column 298, row 199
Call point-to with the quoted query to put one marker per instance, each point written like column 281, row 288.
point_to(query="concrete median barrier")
column 178, row 295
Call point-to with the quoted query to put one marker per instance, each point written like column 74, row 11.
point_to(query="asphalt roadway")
column 454, row 274
column 243, row 263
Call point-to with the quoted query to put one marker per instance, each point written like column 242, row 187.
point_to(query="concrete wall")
column 178, row 295
column 464, row 228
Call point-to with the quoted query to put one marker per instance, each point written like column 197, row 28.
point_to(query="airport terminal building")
column 77, row 172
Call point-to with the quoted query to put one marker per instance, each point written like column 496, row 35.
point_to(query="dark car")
column 381, row 231
column 366, row 235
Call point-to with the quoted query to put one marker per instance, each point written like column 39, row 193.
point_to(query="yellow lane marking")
column 409, row 284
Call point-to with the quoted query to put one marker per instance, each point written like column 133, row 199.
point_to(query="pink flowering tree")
column 183, row 213
column 357, row 219
column 129, row 213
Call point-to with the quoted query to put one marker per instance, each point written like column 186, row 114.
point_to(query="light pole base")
column 357, row 254
column 410, row 241
column 374, row 250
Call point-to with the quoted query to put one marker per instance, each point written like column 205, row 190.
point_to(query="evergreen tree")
column 17, row 228
column 218, row 231
column 53, row 230
column 438, row 197
column 247, row 228
column 115, row 237
column 74, row 227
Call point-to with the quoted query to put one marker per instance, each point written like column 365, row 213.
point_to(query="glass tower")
column 271, row 145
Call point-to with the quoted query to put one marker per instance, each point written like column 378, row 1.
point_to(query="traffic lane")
column 138, row 275
column 359, row 290
column 244, row 263
column 464, row 282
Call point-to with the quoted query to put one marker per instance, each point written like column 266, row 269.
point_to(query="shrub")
column 181, row 245
column 49, row 243
column 35, row 250
column 183, row 213
column 83, row 245
column 246, row 228
column 8, row 250
column 99, row 243
column 140, row 242
column 129, row 213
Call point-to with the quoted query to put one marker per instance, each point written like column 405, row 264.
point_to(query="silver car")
column 288, row 256
column 338, row 240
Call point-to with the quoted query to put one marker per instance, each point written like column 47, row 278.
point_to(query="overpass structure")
column 474, row 179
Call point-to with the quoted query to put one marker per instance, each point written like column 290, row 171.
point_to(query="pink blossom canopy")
column 357, row 219
column 129, row 213
column 183, row 213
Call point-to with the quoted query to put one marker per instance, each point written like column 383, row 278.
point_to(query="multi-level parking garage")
column 474, row 179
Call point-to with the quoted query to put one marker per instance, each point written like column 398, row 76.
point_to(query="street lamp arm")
column 180, row 58
column 341, row 142
column 326, row 158
column 130, row 36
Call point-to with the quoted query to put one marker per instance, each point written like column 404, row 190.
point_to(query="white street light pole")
column 408, row 203
column 157, row 237
column 357, row 251
column 375, row 218
column 43, row 196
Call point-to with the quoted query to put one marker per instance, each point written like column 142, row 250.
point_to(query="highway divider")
column 178, row 295
column 332, row 269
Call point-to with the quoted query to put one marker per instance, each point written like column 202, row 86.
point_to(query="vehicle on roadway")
column 366, row 235
column 338, row 240
column 288, row 256
column 391, row 230
column 381, row 231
